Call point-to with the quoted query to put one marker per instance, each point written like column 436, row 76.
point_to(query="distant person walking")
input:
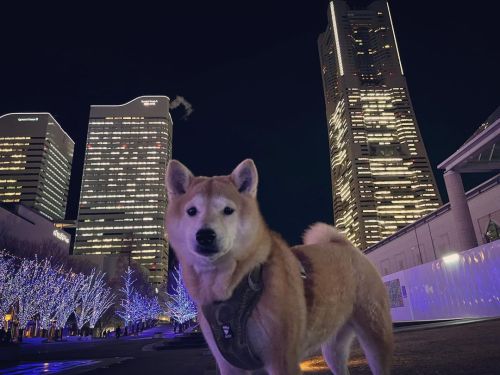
column 8, row 336
column 118, row 332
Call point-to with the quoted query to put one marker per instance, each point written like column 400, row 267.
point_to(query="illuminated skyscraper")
column 381, row 177
column 35, row 162
column 123, row 197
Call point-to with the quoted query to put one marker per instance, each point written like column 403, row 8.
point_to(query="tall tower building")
column 381, row 176
column 35, row 162
column 123, row 197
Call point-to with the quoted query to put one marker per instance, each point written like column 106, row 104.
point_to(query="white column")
column 460, row 211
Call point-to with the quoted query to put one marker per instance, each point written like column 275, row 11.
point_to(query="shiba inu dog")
column 261, row 303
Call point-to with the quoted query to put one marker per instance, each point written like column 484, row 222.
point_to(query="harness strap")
column 228, row 321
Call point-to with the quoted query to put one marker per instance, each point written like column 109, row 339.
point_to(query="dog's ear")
column 245, row 177
column 177, row 178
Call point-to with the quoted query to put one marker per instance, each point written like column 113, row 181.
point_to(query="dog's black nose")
column 206, row 237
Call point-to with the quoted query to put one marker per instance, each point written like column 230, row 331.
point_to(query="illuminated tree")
column 135, row 306
column 28, row 285
column 91, row 289
column 128, row 308
column 51, row 282
column 103, row 299
column 180, row 306
column 68, row 298
column 8, row 293
column 154, row 309
column 140, row 303
column 37, row 289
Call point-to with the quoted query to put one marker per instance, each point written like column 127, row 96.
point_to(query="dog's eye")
column 228, row 211
column 192, row 211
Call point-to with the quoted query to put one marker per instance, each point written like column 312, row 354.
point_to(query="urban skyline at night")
column 281, row 187
column 274, row 112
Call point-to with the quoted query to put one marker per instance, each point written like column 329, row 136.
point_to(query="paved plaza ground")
column 472, row 348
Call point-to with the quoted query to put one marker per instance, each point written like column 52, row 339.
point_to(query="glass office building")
column 123, row 197
column 381, row 176
column 35, row 163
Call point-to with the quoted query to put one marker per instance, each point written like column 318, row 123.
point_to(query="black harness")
column 228, row 321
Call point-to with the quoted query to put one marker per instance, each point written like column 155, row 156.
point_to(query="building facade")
column 469, row 219
column 123, row 197
column 434, row 236
column 381, row 176
column 479, row 154
column 35, row 163
column 25, row 227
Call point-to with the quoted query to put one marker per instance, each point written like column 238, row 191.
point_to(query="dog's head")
column 209, row 218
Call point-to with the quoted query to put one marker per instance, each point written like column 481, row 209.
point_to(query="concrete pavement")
column 473, row 348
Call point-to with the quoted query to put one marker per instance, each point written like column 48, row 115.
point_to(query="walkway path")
column 453, row 349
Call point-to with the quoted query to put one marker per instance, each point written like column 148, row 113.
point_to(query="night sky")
column 251, row 71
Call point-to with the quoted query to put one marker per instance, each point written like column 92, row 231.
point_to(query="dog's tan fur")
column 342, row 296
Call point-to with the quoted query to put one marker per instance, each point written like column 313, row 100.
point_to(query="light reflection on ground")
column 314, row 364
column 317, row 363
column 36, row 368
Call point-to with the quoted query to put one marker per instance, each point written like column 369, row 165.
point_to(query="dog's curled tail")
column 322, row 233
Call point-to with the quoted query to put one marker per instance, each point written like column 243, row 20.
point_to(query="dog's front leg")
column 282, row 366
column 226, row 368
column 223, row 366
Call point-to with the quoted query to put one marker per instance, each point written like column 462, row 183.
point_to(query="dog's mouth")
column 207, row 251
column 210, row 254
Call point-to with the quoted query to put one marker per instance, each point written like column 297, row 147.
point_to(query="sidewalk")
column 161, row 331
column 447, row 350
